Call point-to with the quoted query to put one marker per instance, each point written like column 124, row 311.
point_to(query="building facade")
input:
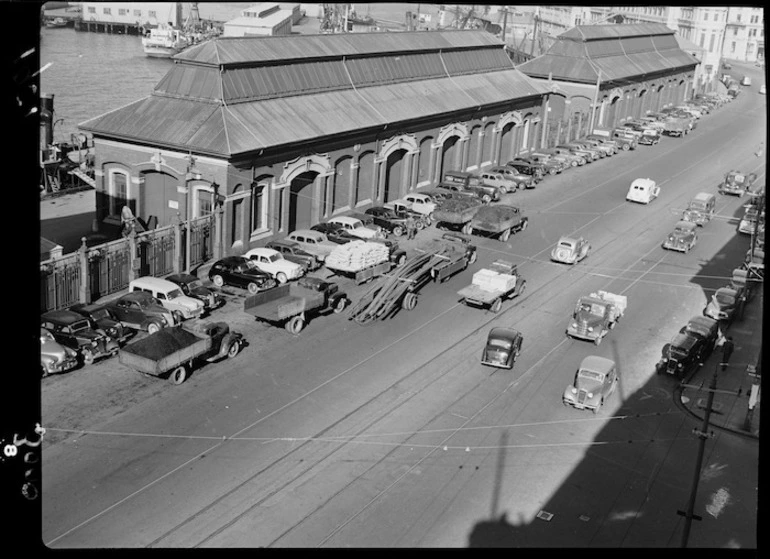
column 285, row 132
column 745, row 34
column 133, row 13
column 263, row 19
column 633, row 69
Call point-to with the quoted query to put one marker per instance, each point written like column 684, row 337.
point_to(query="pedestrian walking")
column 411, row 227
column 727, row 351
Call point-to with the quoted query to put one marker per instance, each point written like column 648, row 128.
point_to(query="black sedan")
column 525, row 167
column 391, row 220
column 503, row 347
column 240, row 272
column 104, row 319
column 335, row 233
column 192, row 286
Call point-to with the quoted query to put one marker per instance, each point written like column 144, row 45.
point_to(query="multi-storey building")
column 744, row 34
column 132, row 13
column 555, row 20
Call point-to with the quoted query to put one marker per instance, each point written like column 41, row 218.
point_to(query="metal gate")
column 108, row 269
column 60, row 283
column 156, row 252
column 201, row 241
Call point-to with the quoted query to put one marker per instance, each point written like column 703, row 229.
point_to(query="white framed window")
column 259, row 201
column 122, row 12
column 138, row 13
column 107, row 11
column 91, row 9
column 119, row 189
column 203, row 200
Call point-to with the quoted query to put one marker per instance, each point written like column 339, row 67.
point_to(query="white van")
column 170, row 296
column 746, row 80
column 643, row 191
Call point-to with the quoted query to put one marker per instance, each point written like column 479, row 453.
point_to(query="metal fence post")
column 177, row 245
column 218, row 232
column 133, row 264
column 84, row 289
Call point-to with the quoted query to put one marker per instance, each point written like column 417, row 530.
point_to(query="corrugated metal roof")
column 233, row 130
column 569, row 90
column 256, row 50
column 612, row 31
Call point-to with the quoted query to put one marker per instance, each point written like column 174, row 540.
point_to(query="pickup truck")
column 471, row 183
column 290, row 302
column 457, row 213
column 361, row 260
column 595, row 315
column 491, row 286
column 175, row 351
column 501, row 220
column 676, row 127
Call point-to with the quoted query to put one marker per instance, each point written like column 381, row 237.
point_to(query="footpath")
column 734, row 396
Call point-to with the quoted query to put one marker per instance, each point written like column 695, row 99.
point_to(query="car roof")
column 182, row 278
column 598, row 364
column 62, row 316
column 265, row 251
column 137, row 296
column 703, row 196
column 234, row 259
column 503, row 333
column 643, row 182
column 704, row 321
column 344, row 219
column 688, row 225
column 306, row 232
column 153, row 282
column 570, row 240
column 684, row 340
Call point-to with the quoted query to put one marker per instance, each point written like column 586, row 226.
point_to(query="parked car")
column 595, row 381
column 572, row 158
column 570, row 250
column 458, row 191
column 682, row 238
column 314, row 242
column 762, row 90
column 746, row 81
column 604, row 140
column 553, row 164
column 706, row 329
column 587, row 155
column 606, row 149
column 356, row 227
column 169, row 295
column 104, row 320
column 579, row 146
column 391, row 220
column 499, row 180
column 737, row 183
column 681, row 355
column 435, row 196
column 334, row 233
column 54, row 357
column 294, row 253
column 421, row 203
column 625, row 138
column 78, row 333
column 193, row 287
column 643, row 191
column 700, row 209
column 503, row 348
column 521, row 180
column 652, row 122
column 239, row 271
column 472, row 183
column 727, row 66
column 752, row 220
column 529, row 160
column 536, row 171
column 272, row 262
column 141, row 311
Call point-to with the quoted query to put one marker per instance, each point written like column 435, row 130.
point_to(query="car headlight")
column 679, row 365
column 94, row 343
column 590, row 328
column 163, row 319
column 574, row 390
column 574, row 324
column 590, row 394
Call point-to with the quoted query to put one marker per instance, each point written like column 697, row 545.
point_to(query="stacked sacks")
column 490, row 280
column 357, row 255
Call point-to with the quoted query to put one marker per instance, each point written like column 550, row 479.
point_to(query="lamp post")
column 192, row 174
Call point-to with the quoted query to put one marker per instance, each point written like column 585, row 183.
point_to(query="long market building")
column 285, row 132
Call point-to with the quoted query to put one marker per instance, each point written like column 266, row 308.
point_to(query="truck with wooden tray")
column 452, row 253
column 398, row 289
column 500, row 220
column 491, row 286
column 361, row 261
column 292, row 303
column 173, row 352
column 456, row 213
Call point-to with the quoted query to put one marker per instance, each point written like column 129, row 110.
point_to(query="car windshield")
column 677, row 353
column 724, row 298
column 592, row 308
column 496, row 342
column 100, row 313
column 453, row 179
column 174, row 294
column 274, row 257
column 736, row 179
column 681, row 231
column 80, row 325
column 566, row 244
column 195, row 284
column 585, row 374
column 250, row 265
column 697, row 205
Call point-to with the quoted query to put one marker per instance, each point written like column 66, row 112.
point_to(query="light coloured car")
column 643, row 191
column 314, row 242
column 272, row 262
column 682, row 238
column 169, row 295
column 762, row 90
column 420, row 203
column 570, row 250
column 595, row 381
column 690, row 110
column 54, row 357
column 499, row 180
column 356, row 227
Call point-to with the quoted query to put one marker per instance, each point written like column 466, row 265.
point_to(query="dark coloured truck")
column 173, row 352
column 456, row 213
column 595, row 315
column 500, row 220
column 291, row 304
column 472, row 183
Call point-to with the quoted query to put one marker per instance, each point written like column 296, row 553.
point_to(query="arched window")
column 365, row 178
column 203, row 199
column 119, row 192
column 341, row 184
column 259, row 203
column 423, row 164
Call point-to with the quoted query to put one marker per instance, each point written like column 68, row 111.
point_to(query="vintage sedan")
column 683, row 237
column 54, row 357
column 727, row 303
column 314, row 242
column 293, row 252
column 737, row 183
column 570, row 250
column 499, row 180
column 334, row 233
column 391, row 220
column 521, row 180
column 681, row 355
column 752, row 220
column 595, row 380
column 503, row 347
column 242, row 272
column 420, row 203
column 104, row 319
column 141, row 311
column 356, row 227
column 572, row 159
column 607, row 149
column 586, row 153
column 272, row 262
column 706, row 329
column 701, row 208
column 78, row 333
column 193, row 287
column 553, row 164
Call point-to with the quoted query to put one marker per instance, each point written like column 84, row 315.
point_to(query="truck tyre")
column 253, row 288
column 281, row 277
column 178, row 375
column 598, row 340
column 398, row 231
column 505, row 235
column 178, row 317
column 233, row 350
column 467, row 229
column 339, row 306
column 401, row 260
column 410, row 301
column 218, row 281
column 87, row 356
column 497, row 305
column 153, row 327
column 486, row 198
column 420, row 225
column 626, row 147
column 472, row 258
column 295, row 325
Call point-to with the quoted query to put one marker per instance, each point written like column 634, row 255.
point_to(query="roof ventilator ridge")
column 385, row 120
column 441, row 58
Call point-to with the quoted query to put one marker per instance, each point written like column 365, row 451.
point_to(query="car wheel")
column 252, row 287
column 505, row 235
column 87, row 356
column 486, row 198
column 401, row 260
column 552, row 171
column 420, row 225
column 398, row 231
column 153, row 327
column 179, row 375
column 281, row 277
column 234, row 349
column 497, row 305
column 410, row 301
column 467, row 229
column 472, row 257
column 339, row 306
column 295, row 324
column 574, row 163
column 218, row 281
column 598, row 340
column 43, row 371
column 523, row 225
column 178, row 317
column 626, row 147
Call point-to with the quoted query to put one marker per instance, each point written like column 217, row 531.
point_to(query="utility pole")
column 505, row 21
column 534, row 36
column 703, row 434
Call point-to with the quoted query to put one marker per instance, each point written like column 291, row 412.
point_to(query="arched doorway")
column 612, row 113
column 450, row 156
column 506, row 144
column 159, row 198
column 301, row 201
column 395, row 167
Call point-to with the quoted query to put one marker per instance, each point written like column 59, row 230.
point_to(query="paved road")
column 394, row 435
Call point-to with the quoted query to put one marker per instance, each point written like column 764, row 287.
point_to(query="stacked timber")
column 357, row 255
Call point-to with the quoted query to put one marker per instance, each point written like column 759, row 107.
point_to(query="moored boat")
column 164, row 42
